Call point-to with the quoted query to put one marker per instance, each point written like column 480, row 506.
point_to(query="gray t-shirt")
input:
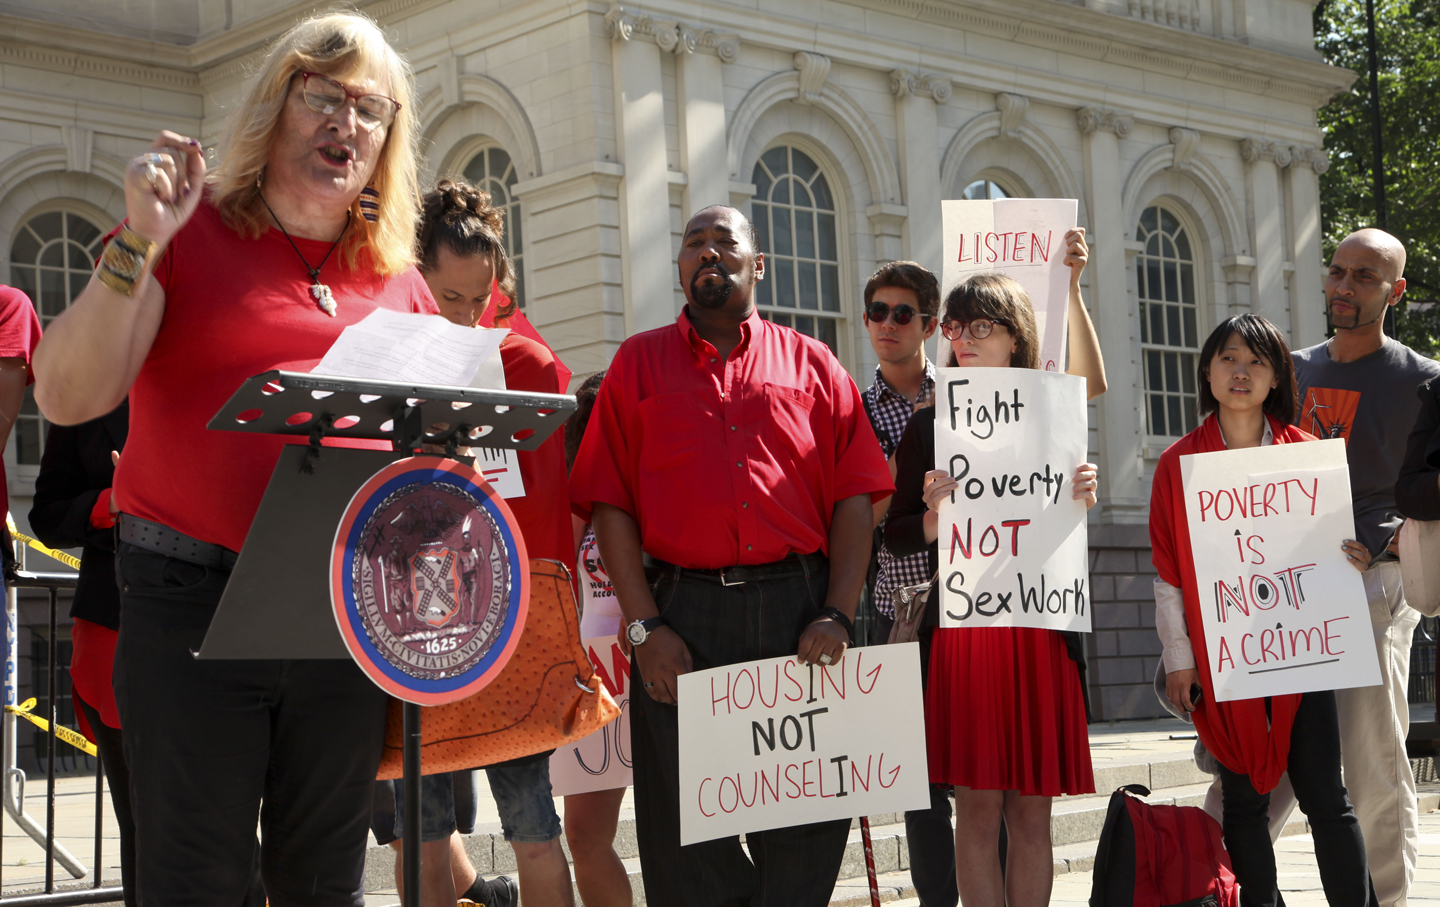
column 1371, row 403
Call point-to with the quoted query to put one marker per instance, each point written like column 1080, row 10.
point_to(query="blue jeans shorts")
column 449, row 803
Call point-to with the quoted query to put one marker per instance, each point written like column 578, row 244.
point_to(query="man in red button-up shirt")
column 736, row 454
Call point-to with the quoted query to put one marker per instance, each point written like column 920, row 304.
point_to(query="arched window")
column 794, row 213
column 492, row 170
column 982, row 190
column 51, row 259
column 1169, row 322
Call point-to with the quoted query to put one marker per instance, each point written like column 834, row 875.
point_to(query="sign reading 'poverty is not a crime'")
column 1023, row 238
column 1283, row 610
column 774, row 743
column 1012, row 537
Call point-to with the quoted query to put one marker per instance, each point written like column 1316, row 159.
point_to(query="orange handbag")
column 547, row 695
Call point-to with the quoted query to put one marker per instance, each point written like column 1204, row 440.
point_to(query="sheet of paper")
column 409, row 347
column 1012, row 537
column 1284, row 611
column 770, row 743
column 1023, row 238
column 601, row 761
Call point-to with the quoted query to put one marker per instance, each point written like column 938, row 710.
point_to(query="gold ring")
column 152, row 174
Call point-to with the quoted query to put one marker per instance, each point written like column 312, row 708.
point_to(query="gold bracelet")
column 124, row 261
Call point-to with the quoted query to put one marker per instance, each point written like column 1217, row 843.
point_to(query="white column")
column 646, row 273
column 1118, row 414
column 700, row 85
column 1267, row 232
column 916, row 97
column 1307, row 284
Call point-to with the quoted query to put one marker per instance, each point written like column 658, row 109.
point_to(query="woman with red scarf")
column 1247, row 388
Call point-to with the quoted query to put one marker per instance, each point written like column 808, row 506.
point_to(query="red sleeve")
column 100, row 515
column 1163, row 519
column 859, row 462
column 543, row 512
column 602, row 472
column 19, row 326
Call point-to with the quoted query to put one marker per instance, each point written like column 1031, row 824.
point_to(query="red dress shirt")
column 725, row 462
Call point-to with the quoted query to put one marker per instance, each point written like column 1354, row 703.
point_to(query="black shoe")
column 501, row 891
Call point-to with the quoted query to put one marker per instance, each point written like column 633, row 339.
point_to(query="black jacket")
column 75, row 470
column 1417, row 491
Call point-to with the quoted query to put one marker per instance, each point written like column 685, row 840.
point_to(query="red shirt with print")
column 543, row 513
column 733, row 461
column 234, row 308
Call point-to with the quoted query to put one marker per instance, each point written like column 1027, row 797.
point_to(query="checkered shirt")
column 890, row 413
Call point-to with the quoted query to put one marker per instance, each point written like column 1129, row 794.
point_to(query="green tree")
column 1408, row 41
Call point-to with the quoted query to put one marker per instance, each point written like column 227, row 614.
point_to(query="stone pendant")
column 323, row 298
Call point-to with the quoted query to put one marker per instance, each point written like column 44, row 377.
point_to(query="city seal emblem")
column 429, row 580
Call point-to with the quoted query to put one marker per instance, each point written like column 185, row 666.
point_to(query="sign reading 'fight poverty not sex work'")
column 601, row 761
column 1284, row 611
column 1012, row 537
column 776, row 743
column 1023, row 238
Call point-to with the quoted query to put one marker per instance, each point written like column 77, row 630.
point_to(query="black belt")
column 794, row 565
column 161, row 539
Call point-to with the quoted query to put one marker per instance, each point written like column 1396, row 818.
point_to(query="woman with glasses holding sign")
column 1247, row 391
column 1007, row 752
column 306, row 227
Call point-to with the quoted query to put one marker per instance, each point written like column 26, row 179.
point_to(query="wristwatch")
column 639, row 630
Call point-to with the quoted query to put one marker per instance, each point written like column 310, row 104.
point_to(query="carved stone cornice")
column 1186, row 142
column 814, row 69
column 903, row 84
column 1253, row 150
column 1097, row 119
column 1014, row 108
column 670, row 35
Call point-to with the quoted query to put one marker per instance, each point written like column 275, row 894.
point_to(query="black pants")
column 214, row 745
column 929, row 836
column 792, row 867
column 1314, row 765
column 117, row 775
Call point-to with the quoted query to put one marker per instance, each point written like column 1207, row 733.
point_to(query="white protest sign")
column 774, row 743
column 602, row 760
column 1284, row 611
column 1012, row 537
column 1023, row 238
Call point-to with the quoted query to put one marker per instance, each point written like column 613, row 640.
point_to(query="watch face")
column 637, row 633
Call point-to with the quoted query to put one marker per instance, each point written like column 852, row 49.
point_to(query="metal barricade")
column 14, row 777
column 1422, row 661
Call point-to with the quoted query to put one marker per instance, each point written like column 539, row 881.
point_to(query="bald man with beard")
column 1361, row 386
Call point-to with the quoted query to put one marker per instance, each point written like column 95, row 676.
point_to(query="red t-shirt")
column 727, row 462
column 234, row 308
column 544, row 511
column 19, row 333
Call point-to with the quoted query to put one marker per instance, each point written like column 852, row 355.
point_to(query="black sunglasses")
column 879, row 311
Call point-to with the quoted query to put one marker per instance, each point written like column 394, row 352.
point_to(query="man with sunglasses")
column 902, row 307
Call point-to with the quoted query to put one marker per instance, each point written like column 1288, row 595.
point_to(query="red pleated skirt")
column 1004, row 711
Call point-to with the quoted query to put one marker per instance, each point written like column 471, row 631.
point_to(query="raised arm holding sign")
column 1247, row 528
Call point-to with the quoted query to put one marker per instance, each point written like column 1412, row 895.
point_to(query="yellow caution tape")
column 68, row 560
column 74, row 738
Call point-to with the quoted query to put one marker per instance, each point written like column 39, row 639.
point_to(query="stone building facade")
column 1186, row 129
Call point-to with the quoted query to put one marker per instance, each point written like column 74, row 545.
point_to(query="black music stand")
column 282, row 578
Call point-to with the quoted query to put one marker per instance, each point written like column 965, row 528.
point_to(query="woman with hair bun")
column 1247, row 396
column 213, row 279
column 461, row 250
column 1005, row 713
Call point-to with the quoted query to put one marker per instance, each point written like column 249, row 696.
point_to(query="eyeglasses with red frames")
column 325, row 95
column 980, row 328
column 902, row 313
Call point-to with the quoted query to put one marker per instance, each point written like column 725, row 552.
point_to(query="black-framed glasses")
column 980, row 328
column 325, row 95
column 879, row 311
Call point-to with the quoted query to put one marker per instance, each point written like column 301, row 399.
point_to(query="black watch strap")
column 651, row 624
column 839, row 617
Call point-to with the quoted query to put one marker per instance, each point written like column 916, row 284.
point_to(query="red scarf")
column 1236, row 732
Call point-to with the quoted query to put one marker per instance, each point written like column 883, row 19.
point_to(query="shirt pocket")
column 784, row 425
